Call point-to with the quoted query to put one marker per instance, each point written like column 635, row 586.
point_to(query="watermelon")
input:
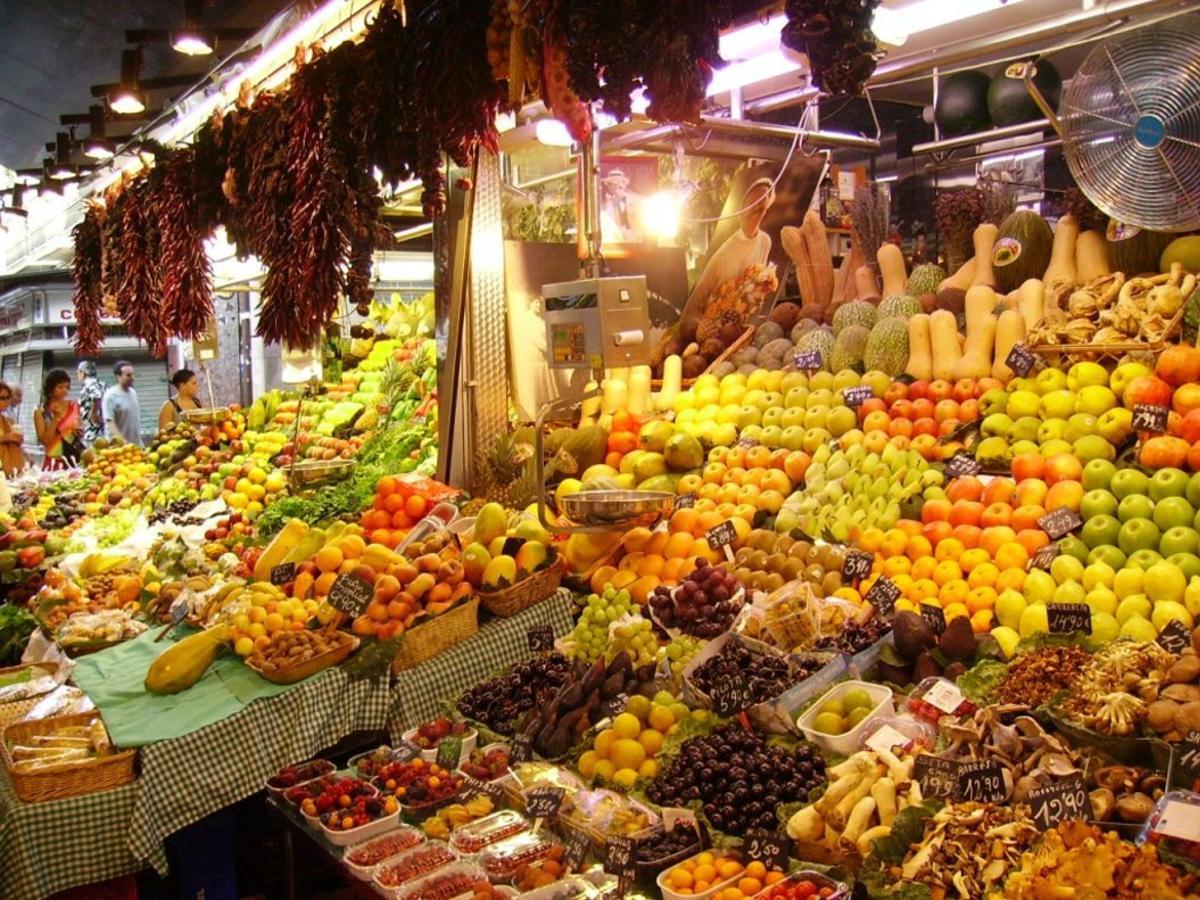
column 962, row 106
column 1008, row 100
column 1022, row 249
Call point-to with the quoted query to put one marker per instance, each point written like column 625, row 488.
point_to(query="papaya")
column 180, row 666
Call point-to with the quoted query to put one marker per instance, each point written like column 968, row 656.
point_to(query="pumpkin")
column 1022, row 249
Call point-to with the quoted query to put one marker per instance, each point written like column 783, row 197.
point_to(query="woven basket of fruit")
column 83, row 762
column 427, row 640
column 525, row 593
column 282, row 663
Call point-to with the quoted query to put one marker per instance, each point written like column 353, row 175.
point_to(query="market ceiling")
column 53, row 51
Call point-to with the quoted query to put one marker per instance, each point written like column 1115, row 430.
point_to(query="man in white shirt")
column 746, row 247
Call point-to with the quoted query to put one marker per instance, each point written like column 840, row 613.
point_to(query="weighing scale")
column 597, row 324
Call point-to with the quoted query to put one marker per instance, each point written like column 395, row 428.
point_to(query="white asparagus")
column 899, row 771
column 837, row 790
column 806, row 825
column 851, row 765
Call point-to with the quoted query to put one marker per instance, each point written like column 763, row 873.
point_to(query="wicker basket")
column 685, row 383
column 70, row 779
column 427, row 640
column 525, row 593
column 17, row 708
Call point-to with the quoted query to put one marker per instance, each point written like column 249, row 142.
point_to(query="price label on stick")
column 620, row 859
column 685, row 501
column 981, row 781
column 856, row 565
column 1175, row 638
column 855, row 397
column 883, row 595
column 521, row 749
column 578, row 846
column 488, row 789
column 1149, row 417
column 1187, row 759
column 1020, row 360
column 1067, row 618
column 1044, row 557
column 1060, row 522
column 938, row 777
column 407, row 751
column 541, row 638
column 731, row 695
column 808, row 359
column 721, row 535
column 746, row 443
column 543, row 802
column 282, row 574
column 962, row 463
column 767, row 847
column 935, row 616
column 350, row 595
column 449, row 752
column 1060, row 801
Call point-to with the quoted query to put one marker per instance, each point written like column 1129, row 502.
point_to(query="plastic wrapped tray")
column 482, row 833
column 362, row 832
column 361, row 859
column 320, row 767
column 850, row 740
column 392, row 874
column 501, row 860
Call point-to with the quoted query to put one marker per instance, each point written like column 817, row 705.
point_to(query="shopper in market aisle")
column 121, row 413
column 91, row 396
column 187, row 386
column 58, row 422
column 12, row 458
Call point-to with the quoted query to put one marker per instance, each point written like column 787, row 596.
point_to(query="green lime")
column 833, row 706
column 829, row 723
column 856, row 698
column 856, row 715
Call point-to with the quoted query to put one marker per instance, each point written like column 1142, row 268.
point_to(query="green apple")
column 1100, row 530
column 1133, row 605
column 1144, row 559
column 1134, row 506
column 1125, row 373
column 1073, row 546
column 1050, row 379
column 1095, row 400
column 1007, row 638
column 772, row 416
column 772, row 436
column 1009, row 606
column 795, row 397
column 1097, row 502
column 996, row 425
column 1066, row 568
column 1025, row 429
column 1193, row 490
column 1109, row 554
column 1187, row 563
column 793, row 438
column 772, row 399
column 1097, row 474
column 726, row 433
column 1098, row 574
column 995, row 447
column 1191, row 597
column 1128, row 581
column 1101, row 599
column 1023, row 403
column 1034, row 619
column 841, row 420
column 1176, row 539
column 1051, row 430
column 1058, row 405
column 1138, row 629
column 820, row 397
column 1079, row 425
column 1053, row 448
column 1168, row 482
column 1083, row 374
column 750, row 415
column 754, row 398
column 793, row 417
column 730, row 412
column 1173, row 512
column 1129, row 482
column 814, row 438
column 1070, row 591
column 993, row 401
column 750, row 432
column 1115, row 425
column 1164, row 581
column 793, row 380
column 1104, row 628
column 817, row 417
column 1138, row 533
column 1039, row 586
column 879, row 381
column 846, row 378
column 1092, row 446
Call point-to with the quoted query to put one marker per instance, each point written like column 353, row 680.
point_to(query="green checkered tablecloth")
column 421, row 692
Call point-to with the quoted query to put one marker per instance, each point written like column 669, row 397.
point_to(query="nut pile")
column 1033, row 678
column 292, row 648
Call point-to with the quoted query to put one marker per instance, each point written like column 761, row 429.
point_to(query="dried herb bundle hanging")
column 681, row 49
column 957, row 214
column 836, row 37
column 86, row 269
column 184, row 269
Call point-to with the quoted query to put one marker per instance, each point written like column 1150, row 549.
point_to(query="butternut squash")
column 865, row 285
column 1091, row 257
column 1010, row 329
column 1031, row 302
column 817, row 243
column 960, row 280
column 920, row 353
column 1010, row 299
column 638, row 400
column 672, row 382
column 976, row 360
column 943, row 343
column 1062, row 252
column 891, row 268
column 984, row 239
column 980, row 302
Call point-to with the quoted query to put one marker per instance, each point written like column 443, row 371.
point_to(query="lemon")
column 587, row 763
column 679, row 711
column 627, row 754
column 625, row 778
column 626, row 725
column 648, row 769
column 604, row 770
column 661, row 718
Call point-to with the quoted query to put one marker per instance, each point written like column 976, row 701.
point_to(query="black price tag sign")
column 685, row 501
column 981, row 781
column 488, row 789
column 1187, row 759
column 578, row 847
column 1019, row 359
column 962, row 463
column 1044, row 557
column 883, row 595
column 620, row 859
column 449, row 752
column 856, row 565
column 938, row 777
column 407, row 751
column 808, row 359
column 855, row 397
column 746, row 443
column 767, row 847
column 1061, row 801
column 721, row 535
column 521, row 749
column 350, row 595
column 731, row 695
column 1175, row 638
column 543, row 802
column 1060, row 522
column 935, row 616
column 283, row 574
column 1067, row 618
column 541, row 638
column 1148, row 417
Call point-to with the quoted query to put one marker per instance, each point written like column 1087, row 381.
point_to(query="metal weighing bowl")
column 314, row 471
column 206, row 416
column 618, row 508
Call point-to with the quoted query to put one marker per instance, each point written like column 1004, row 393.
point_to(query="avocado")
column 912, row 634
column 958, row 640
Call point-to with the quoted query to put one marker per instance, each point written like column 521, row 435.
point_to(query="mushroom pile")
column 1112, row 693
column 1125, row 793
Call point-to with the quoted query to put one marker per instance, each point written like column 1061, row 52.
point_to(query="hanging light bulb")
column 193, row 39
column 61, row 167
column 128, row 97
column 97, row 145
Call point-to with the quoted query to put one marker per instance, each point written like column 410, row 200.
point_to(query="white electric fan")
column 1130, row 125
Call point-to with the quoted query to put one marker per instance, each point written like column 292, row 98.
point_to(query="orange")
column 401, row 519
column 376, row 518
column 953, row 591
column 981, row 598
column 871, row 539
column 324, row 583
column 903, row 581
column 971, row 558
column 756, row 869
column 924, row 567
column 415, row 506
column 1032, row 539
column 950, row 548
column 393, row 502
column 946, row 571
column 652, row 564
column 672, row 570
column 683, row 520
column 983, row 575
column 981, row 622
column 386, row 485
column 967, row 535
column 896, row 565
column 657, row 543
column 955, row 610
column 679, row 545
column 918, row 547
column 1012, row 556
column 636, row 539
column 352, row 546
column 922, row 588
column 894, row 542
column 329, row 558
column 1010, row 580
column 1026, row 516
column 910, row 527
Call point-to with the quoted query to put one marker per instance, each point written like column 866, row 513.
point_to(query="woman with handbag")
column 58, row 422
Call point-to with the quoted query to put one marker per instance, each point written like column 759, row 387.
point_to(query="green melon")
column 962, row 106
column 925, row 279
column 848, row 348
column 899, row 306
column 1133, row 250
column 887, row 347
column 1022, row 249
column 1182, row 250
column 819, row 338
column 856, row 312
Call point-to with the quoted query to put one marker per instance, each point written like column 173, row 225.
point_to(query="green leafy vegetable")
column 979, row 683
column 16, row 625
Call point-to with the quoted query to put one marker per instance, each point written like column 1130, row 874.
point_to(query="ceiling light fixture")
column 60, row 167
column 128, row 96
column 17, row 206
column 97, row 145
column 46, row 188
column 193, row 39
column 552, row 133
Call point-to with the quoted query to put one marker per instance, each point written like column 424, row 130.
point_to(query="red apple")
column 1189, row 427
column 918, row 390
column 940, row 390
column 901, row 409
column 1187, row 398
column 1148, row 389
column 897, row 390
column 964, row 389
column 983, row 385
